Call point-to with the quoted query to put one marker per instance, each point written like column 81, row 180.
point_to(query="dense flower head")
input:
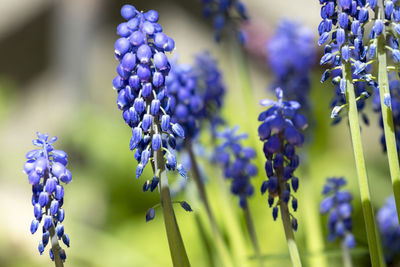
column 140, row 83
column 394, row 103
column 236, row 161
column 196, row 94
column 291, row 55
column 343, row 23
column 185, row 102
column 46, row 170
column 210, row 85
column 337, row 203
column 388, row 224
column 226, row 14
column 280, row 131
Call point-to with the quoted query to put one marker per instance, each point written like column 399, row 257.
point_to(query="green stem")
column 287, row 225
column 312, row 224
column 231, row 223
column 285, row 214
column 55, row 247
column 176, row 246
column 224, row 253
column 355, row 132
column 205, row 240
column 252, row 233
column 246, row 101
column 346, row 255
column 387, row 117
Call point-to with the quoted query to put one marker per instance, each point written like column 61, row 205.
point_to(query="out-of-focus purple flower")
column 236, row 161
column 226, row 15
column 388, row 224
column 337, row 203
column 291, row 54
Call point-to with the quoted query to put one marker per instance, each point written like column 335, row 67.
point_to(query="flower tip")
column 151, row 213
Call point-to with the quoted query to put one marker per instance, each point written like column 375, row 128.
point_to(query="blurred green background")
column 56, row 69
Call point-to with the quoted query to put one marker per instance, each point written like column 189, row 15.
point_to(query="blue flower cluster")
column 235, row 159
column 185, row 102
column 46, row 169
column 388, row 224
column 344, row 22
column 210, row 85
column 225, row 13
column 291, row 55
column 394, row 86
column 337, row 203
column 196, row 94
column 280, row 131
column 142, row 70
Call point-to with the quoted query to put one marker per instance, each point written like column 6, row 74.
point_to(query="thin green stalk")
column 355, row 132
column 231, row 222
column 285, row 214
column 346, row 255
column 176, row 246
column 253, row 236
column 312, row 224
column 287, row 225
column 220, row 245
column 55, row 247
column 246, row 93
column 205, row 240
column 387, row 116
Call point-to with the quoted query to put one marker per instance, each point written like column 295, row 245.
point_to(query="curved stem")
column 252, row 233
column 387, row 117
column 176, row 246
column 355, row 132
column 346, row 255
column 203, row 196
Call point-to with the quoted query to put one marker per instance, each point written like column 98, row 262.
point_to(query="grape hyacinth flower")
column 140, row 83
column 291, row 55
column 196, row 95
column 337, row 203
column 389, row 227
column 394, row 86
column 236, row 161
column 343, row 26
column 344, row 22
column 237, row 167
column 184, row 101
column 226, row 15
column 211, row 86
column 46, row 170
column 280, row 131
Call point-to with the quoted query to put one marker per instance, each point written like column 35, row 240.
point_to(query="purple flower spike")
column 280, row 131
column 46, row 171
column 337, row 203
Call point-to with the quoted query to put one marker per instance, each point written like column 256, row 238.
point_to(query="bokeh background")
column 56, row 68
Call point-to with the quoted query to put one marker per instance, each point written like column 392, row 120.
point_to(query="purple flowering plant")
column 47, row 172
